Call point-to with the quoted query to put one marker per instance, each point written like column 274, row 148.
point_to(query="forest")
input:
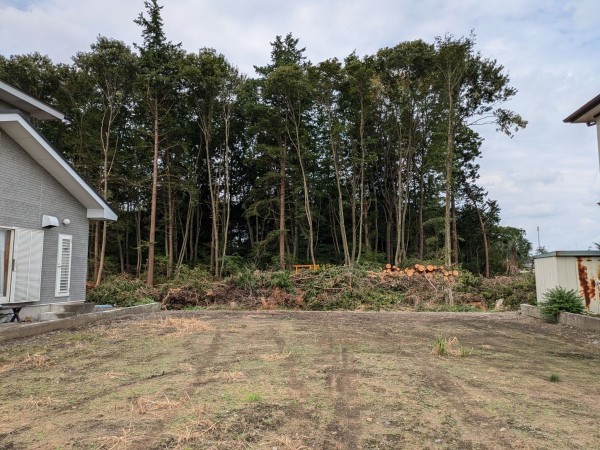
column 369, row 159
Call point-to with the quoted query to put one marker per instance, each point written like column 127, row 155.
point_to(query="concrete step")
column 56, row 315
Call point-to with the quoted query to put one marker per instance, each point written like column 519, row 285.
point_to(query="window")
column 63, row 269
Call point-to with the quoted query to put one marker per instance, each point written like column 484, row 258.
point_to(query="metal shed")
column 577, row 270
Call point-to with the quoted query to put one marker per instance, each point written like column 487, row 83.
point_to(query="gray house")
column 45, row 209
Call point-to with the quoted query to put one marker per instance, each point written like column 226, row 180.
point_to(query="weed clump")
column 554, row 378
column 449, row 347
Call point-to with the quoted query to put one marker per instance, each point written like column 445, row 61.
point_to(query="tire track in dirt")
column 465, row 402
column 343, row 430
column 290, row 365
column 204, row 361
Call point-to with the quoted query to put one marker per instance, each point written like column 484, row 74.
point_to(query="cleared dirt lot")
column 294, row 380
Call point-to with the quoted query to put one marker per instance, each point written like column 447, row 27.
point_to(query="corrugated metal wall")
column 579, row 272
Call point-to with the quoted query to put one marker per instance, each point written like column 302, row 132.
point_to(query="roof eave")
column 588, row 112
column 26, row 102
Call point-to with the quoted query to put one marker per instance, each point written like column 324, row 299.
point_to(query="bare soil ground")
column 298, row 380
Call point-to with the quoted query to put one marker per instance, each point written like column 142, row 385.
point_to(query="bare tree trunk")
column 297, row 144
column 362, row 175
column 170, row 226
column 188, row 225
column 127, row 262
column 282, row 209
column 353, row 224
column 449, row 160
column 96, row 248
column 454, row 231
column 336, row 168
column 227, row 205
column 421, row 227
column 138, row 239
column 102, row 253
column 151, row 243
column 121, row 255
column 486, row 247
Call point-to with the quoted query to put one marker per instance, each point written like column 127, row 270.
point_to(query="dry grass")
column 6, row 367
column 154, row 405
column 275, row 356
column 37, row 361
column 124, row 440
column 229, row 377
column 287, row 443
column 303, row 380
column 111, row 333
column 194, row 431
column 39, row 403
column 183, row 325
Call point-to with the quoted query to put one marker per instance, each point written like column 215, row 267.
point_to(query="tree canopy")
column 369, row 158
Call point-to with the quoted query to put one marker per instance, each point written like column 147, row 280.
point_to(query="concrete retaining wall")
column 22, row 330
column 579, row 321
column 564, row 318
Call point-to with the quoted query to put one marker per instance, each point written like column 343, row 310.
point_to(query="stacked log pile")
column 427, row 271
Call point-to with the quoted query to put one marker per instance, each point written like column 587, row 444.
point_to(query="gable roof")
column 27, row 103
column 31, row 140
column 588, row 113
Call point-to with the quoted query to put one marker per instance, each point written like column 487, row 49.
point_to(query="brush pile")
column 428, row 271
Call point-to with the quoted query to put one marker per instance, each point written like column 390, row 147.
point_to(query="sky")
column 546, row 176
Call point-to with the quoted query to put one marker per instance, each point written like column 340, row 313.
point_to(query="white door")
column 6, row 263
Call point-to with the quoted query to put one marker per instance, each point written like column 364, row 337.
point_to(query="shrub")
column 197, row 277
column 281, row 279
column 121, row 291
column 560, row 299
column 245, row 279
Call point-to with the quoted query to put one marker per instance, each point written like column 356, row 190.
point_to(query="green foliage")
column 282, row 280
column 196, row 277
column 121, row 291
column 512, row 290
column 246, row 279
column 560, row 299
column 233, row 264
column 554, row 378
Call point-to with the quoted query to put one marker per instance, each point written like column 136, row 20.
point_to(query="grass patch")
column 253, row 398
column 554, row 378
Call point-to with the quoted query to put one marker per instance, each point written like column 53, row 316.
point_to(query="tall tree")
column 157, row 83
column 472, row 88
column 109, row 68
column 286, row 59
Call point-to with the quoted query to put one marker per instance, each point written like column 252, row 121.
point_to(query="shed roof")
column 588, row 113
column 14, row 124
column 27, row 103
column 569, row 253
